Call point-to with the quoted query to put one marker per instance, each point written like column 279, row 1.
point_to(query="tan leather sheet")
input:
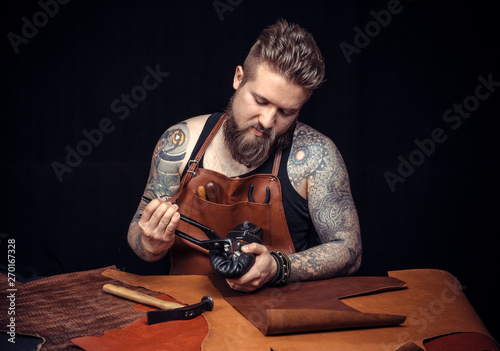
column 435, row 306
column 433, row 303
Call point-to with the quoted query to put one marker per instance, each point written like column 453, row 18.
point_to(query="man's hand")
column 157, row 226
column 261, row 272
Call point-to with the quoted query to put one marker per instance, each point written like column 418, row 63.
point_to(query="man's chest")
column 230, row 168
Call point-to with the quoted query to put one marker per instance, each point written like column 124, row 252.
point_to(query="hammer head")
column 183, row 313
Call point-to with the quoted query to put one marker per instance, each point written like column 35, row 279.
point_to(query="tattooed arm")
column 317, row 170
column 152, row 230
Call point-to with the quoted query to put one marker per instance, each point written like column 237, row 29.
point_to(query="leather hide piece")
column 310, row 306
column 67, row 306
column 186, row 335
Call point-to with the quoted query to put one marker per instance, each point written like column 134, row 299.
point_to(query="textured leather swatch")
column 66, row 306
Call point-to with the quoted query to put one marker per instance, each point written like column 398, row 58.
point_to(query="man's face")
column 261, row 114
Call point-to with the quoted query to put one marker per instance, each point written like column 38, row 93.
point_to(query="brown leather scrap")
column 462, row 342
column 311, row 306
column 67, row 306
column 184, row 335
column 292, row 321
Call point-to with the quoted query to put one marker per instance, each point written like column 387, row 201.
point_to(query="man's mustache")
column 267, row 132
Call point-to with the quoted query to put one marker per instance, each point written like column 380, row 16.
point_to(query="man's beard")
column 247, row 148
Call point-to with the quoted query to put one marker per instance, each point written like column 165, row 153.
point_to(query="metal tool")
column 229, row 245
column 183, row 313
column 250, row 195
column 170, row 310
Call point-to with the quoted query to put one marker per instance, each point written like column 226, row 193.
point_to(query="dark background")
column 85, row 54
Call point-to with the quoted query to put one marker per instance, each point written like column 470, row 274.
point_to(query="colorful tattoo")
column 167, row 157
column 163, row 181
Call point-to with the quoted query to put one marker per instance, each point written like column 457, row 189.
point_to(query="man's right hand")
column 157, row 226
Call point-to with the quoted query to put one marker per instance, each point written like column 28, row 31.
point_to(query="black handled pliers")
column 230, row 245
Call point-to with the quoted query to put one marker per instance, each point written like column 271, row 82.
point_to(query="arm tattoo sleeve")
column 163, row 181
column 315, row 159
column 168, row 156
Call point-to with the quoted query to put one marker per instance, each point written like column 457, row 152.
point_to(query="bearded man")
column 308, row 211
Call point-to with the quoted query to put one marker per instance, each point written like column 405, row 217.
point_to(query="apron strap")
column 277, row 161
column 193, row 164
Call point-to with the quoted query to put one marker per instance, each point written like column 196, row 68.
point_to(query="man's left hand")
column 261, row 272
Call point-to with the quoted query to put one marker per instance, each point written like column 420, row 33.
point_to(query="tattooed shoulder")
column 168, row 156
column 315, row 160
column 311, row 152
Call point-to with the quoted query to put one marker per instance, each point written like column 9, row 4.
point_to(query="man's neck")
column 218, row 158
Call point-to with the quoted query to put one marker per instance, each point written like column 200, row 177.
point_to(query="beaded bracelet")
column 284, row 268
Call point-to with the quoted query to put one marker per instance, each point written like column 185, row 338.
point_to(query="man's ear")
column 238, row 77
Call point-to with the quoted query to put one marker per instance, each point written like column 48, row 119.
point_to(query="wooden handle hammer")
column 169, row 310
column 140, row 297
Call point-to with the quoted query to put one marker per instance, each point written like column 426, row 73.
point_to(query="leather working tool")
column 243, row 234
column 211, row 191
column 201, row 192
column 170, row 310
column 231, row 245
column 250, row 194
column 208, row 191
column 226, row 257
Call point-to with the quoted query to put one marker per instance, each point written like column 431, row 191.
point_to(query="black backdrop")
column 69, row 66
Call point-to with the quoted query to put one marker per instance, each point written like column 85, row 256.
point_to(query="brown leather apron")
column 232, row 208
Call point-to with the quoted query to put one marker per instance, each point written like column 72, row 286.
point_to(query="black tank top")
column 296, row 209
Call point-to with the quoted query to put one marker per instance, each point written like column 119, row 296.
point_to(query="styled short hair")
column 289, row 50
